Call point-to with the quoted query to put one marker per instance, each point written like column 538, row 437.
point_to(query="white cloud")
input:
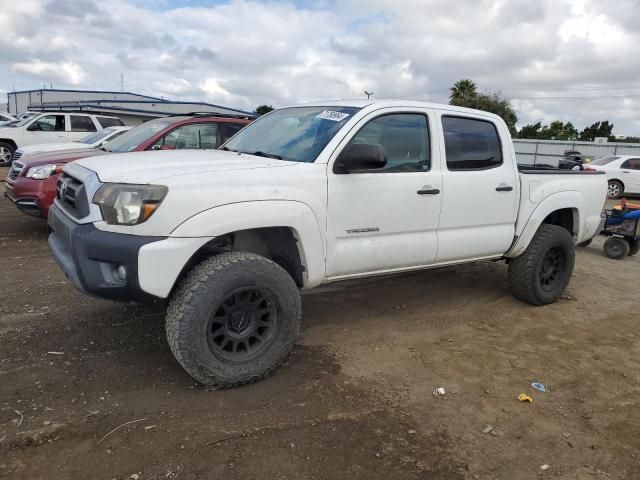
column 65, row 72
column 244, row 53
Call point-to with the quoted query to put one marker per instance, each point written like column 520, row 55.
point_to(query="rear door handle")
column 428, row 191
column 504, row 188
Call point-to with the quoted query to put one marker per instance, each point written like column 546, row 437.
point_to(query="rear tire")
column 542, row 272
column 634, row 247
column 615, row 190
column 616, row 248
column 233, row 319
column 6, row 153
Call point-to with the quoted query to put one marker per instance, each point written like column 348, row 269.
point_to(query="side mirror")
column 360, row 156
column 35, row 126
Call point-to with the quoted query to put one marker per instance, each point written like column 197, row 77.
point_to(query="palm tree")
column 463, row 89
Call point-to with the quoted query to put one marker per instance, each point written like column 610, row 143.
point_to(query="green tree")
column 598, row 129
column 464, row 94
column 461, row 90
column 262, row 109
column 530, row 131
column 558, row 130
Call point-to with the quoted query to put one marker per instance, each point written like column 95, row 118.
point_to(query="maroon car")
column 31, row 184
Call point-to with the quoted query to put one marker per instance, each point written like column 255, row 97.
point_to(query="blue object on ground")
column 539, row 386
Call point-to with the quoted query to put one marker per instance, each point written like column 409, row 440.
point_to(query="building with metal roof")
column 132, row 108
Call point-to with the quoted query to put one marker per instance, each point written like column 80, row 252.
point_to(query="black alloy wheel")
column 243, row 325
column 552, row 269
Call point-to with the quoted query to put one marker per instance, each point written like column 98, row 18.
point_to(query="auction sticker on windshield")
column 333, row 116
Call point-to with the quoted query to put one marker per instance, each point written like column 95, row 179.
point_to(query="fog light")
column 121, row 273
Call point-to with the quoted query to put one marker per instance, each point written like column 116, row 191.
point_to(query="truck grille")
column 72, row 196
column 17, row 155
column 16, row 168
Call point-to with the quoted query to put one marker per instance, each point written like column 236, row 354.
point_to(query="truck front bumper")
column 93, row 260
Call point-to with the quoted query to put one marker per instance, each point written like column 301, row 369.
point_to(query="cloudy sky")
column 557, row 59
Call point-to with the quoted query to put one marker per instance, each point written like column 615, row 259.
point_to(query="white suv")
column 50, row 127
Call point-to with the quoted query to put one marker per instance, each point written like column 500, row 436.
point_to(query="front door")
column 480, row 189
column 386, row 219
column 47, row 129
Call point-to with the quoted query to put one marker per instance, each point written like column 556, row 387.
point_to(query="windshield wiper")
column 266, row 155
column 227, row 149
column 104, row 149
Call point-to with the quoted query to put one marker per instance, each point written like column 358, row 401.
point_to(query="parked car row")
column 48, row 127
column 31, row 183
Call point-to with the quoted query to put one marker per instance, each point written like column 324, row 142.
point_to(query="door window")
column 194, row 136
column 110, row 122
column 80, row 123
column 631, row 164
column 49, row 123
column 471, row 144
column 404, row 138
column 230, row 129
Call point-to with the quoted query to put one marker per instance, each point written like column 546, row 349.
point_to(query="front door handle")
column 428, row 191
column 504, row 188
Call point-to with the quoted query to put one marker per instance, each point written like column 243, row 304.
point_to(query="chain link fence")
column 533, row 152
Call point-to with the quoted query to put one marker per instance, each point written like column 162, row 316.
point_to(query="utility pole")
column 122, row 82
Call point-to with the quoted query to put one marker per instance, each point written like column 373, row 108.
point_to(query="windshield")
column 129, row 141
column 604, row 160
column 96, row 136
column 23, row 122
column 298, row 134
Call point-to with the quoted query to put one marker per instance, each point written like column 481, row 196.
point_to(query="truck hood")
column 152, row 166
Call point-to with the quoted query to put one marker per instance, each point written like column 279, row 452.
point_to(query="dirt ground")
column 89, row 389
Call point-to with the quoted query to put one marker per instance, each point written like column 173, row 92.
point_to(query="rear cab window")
column 471, row 143
column 82, row 123
column 110, row 122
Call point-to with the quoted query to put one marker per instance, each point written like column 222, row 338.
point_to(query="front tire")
column 6, row 153
column 542, row 272
column 634, row 247
column 616, row 248
column 615, row 189
column 233, row 319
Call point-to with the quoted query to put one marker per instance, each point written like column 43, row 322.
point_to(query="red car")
column 31, row 183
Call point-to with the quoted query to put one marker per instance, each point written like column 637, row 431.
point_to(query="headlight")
column 123, row 204
column 40, row 172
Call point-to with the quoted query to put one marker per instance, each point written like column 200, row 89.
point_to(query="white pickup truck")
column 307, row 195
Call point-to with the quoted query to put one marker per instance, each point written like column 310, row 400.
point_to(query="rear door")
column 386, row 219
column 80, row 126
column 480, row 188
column 631, row 175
